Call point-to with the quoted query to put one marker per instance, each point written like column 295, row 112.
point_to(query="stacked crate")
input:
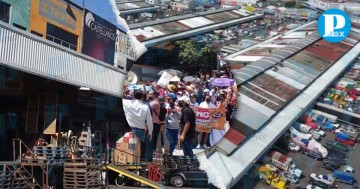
column 52, row 155
column 82, row 175
column 128, row 149
column 5, row 179
column 20, row 183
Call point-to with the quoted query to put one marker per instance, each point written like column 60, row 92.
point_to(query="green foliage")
column 196, row 55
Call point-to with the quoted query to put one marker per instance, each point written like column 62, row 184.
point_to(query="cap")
column 206, row 90
column 179, row 92
column 185, row 99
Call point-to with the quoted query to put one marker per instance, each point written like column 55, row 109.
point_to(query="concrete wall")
column 20, row 12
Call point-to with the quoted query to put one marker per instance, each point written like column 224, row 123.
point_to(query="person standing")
column 155, row 107
column 162, row 133
column 193, row 100
column 172, row 126
column 217, row 134
column 202, row 135
column 187, row 122
column 140, row 121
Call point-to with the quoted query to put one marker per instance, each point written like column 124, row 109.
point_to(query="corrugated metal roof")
column 185, row 24
column 286, row 52
column 176, row 18
column 26, row 52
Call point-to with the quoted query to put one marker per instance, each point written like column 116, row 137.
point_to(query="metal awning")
column 26, row 52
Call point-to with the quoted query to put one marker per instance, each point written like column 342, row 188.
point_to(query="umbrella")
column 223, row 82
column 175, row 78
column 172, row 72
column 189, row 78
column 139, row 87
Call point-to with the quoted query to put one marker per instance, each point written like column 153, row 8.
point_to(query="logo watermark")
column 334, row 25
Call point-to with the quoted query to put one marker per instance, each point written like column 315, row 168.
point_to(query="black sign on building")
column 99, row 37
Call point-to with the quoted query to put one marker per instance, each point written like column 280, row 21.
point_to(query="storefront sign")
column 209, row 118
column 57, row 13
column 99, row 38
column 124, row 46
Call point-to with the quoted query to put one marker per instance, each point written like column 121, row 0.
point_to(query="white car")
column 340, row 130
column 326, row 179
column 294, row 147
column 336, row 125
column 310, row 186
column 291, row 178
column 348, row 169
column 321, row 132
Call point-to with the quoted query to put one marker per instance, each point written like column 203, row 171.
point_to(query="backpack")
column 162, row 114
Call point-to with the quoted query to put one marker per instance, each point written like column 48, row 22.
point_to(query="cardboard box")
column 129, row 157
column 128, row 149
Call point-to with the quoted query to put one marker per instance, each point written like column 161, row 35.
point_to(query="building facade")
column 57, row 21
column 15, row 13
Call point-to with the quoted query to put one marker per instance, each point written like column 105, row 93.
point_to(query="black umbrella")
column 172, row 72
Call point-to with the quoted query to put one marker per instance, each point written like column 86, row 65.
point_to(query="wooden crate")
column 82, row 175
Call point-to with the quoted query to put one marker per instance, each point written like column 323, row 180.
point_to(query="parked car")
column 344, row 139
column 344, row 177
column 327, row 126
column 290, row 177
column 186, row 175
column 330, row 167
column 321, row 132
column 340, row 130
column 336, row 159
column 315, row 134
column 328, row 179
column 313, row 154
column 348, row 169
column 331, row 161
column 310, row 186
column 294, row 147
column 337, row 145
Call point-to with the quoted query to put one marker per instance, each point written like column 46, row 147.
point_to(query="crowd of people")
column 163, row 117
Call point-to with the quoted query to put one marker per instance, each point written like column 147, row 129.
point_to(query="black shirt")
column 187, row 114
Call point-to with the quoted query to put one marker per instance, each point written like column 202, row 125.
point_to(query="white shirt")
column 206, row 105
column 137, row 113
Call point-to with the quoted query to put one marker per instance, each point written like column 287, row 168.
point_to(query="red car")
column 347, row 142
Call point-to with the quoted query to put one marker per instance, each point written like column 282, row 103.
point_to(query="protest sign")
column 209, row 118
column 164, row 79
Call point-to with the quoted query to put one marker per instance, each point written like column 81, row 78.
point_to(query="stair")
column 133, row 176
column 17, row 177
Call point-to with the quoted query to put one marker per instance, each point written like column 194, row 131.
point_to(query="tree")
column 195, row 56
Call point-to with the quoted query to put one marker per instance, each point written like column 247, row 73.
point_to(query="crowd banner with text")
column 209, row 118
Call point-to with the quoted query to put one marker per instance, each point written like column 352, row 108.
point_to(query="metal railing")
column 61, row 42
column 18, row 153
